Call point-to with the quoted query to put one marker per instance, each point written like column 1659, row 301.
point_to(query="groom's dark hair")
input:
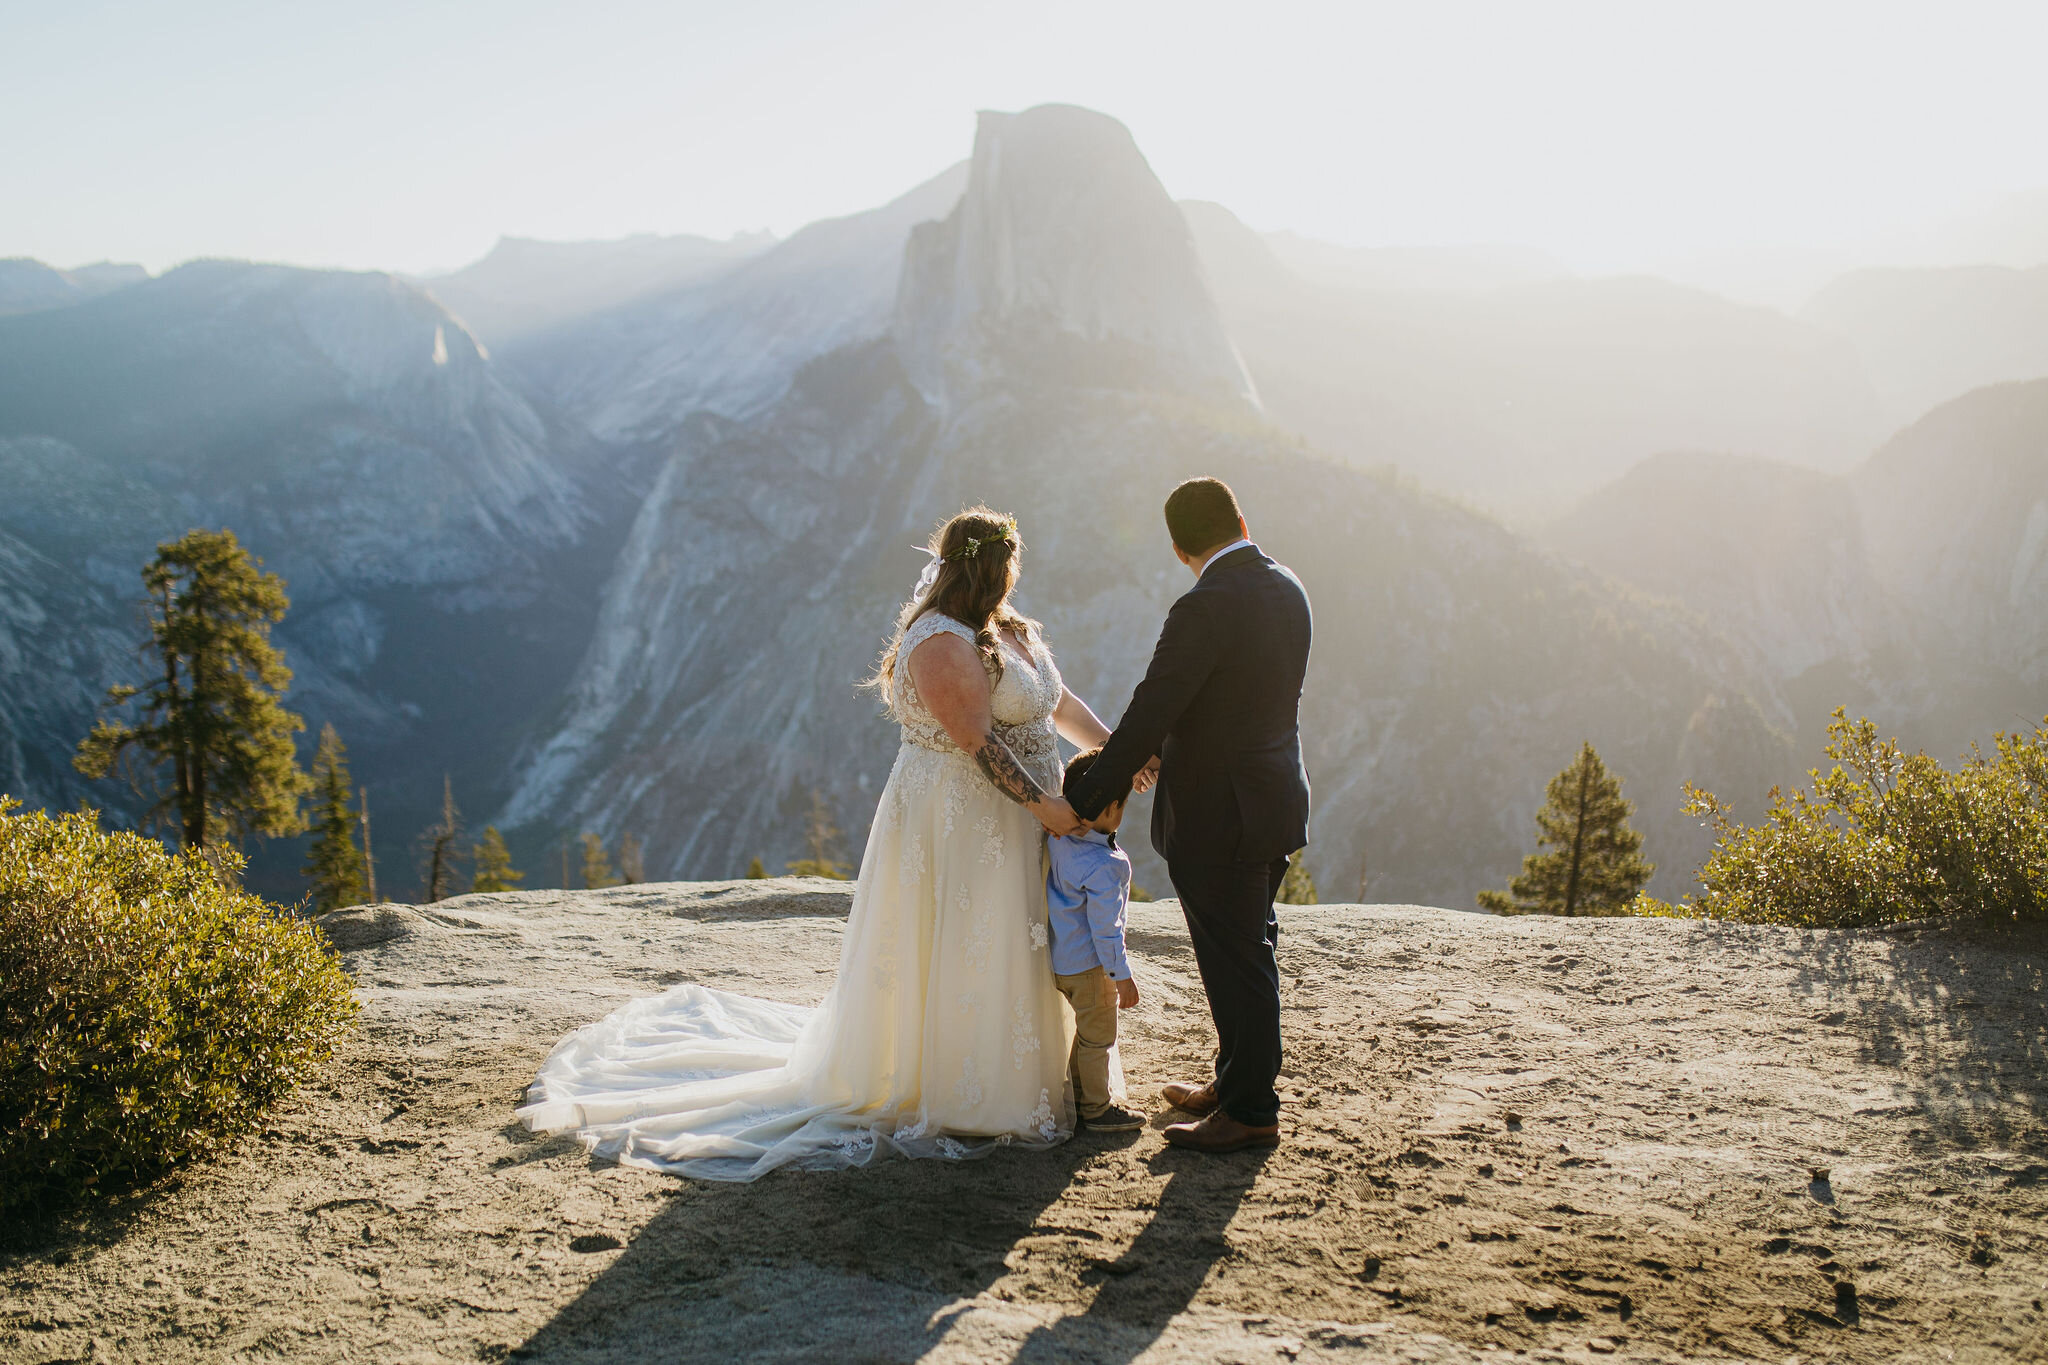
column 1078, row 765
column 1202, row 514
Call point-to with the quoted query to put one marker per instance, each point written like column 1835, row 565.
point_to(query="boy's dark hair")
column 1202, row 514
column 1081, row 763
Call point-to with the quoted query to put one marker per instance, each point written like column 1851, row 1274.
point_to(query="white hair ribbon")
column 928, row 577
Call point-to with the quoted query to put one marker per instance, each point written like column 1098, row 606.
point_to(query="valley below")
column 1505, row 1138
column 599, row 538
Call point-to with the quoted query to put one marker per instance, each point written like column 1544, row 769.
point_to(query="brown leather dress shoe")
column 1199, row 1100
column 1221, row 1133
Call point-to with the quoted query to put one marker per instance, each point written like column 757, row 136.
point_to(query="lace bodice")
column 1023, row 694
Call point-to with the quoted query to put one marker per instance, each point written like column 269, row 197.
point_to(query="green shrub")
column 148, row 1010
column 1886, row 836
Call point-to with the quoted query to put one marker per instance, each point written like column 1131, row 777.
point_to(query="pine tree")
column 821, row 840
column 1595, row 866
column 632, row 867
column 334, row 863
column 597, row 867
column 439, row 849
column 369, row 857
column 756, row 872
column 494, row 870
column 215, row 713
column 1297, row 887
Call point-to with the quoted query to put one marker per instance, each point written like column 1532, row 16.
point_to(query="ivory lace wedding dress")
column 943, row 1035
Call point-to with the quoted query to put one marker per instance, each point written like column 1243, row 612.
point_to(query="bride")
column 943, row 1035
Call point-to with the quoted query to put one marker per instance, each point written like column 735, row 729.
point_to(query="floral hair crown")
column 971, row 547
column 970, row 550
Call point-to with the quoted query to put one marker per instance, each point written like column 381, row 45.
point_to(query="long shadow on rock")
column 802, row 1265
column 1163, row 1270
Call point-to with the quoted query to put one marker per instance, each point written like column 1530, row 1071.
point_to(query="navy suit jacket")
column 1221, row 706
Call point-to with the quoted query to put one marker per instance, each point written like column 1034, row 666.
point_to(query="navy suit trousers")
column 1229, row 910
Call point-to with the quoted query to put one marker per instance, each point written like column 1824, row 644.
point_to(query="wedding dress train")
column 943, row 1035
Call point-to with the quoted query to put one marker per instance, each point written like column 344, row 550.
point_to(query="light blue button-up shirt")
column 1086, row 892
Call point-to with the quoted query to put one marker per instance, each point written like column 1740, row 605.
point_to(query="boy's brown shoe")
column 1115, row 1119
column 1221, row 1133
column 1199, row 1100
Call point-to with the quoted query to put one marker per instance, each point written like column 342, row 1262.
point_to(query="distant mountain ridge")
column 731, row 344
column 525, row 287
column 29, row 286
column 1915, row 586
column 1524, row 396
column 621, row 570
column 1927, row 336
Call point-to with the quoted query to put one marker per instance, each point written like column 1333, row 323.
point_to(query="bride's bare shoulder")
column 946, row 645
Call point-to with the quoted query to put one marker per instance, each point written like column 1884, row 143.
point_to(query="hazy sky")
column 411, row 135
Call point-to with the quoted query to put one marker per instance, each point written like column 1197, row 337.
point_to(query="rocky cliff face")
column 1066, row 255
column 426, row 516
column 1456, row 667
column 57, row 643
column 346, row 418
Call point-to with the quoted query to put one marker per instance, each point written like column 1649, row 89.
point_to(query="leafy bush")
column 1887, row 836
column 148, row 1009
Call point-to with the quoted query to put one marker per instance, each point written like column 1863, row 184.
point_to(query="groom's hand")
column 1127, row 993
column 1148, row 776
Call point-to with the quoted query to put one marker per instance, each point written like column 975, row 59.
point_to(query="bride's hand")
column 1148, row 776
column 1056, row 815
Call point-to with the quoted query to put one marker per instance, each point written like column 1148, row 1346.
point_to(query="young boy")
column 1086, row 891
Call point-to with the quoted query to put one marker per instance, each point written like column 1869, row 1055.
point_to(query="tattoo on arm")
column 1004, row 772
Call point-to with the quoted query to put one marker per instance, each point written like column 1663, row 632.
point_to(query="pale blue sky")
column 411, row 135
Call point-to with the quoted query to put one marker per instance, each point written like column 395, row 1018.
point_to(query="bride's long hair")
column 977, row 554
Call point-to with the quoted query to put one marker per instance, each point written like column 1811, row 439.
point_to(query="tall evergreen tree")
column 369, row 856
column 494, row 870
column 821, row 841
column 215, row 710
column 755, row 872
column 632, row 865
column 597, row 865
column 1297, row 887
column 440, row 848
column 1595, row 865
column 334, row 863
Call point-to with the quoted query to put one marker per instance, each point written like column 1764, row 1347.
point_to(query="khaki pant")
column 1093, row 996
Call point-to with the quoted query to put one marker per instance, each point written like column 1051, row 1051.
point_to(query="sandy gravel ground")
column 1508, row 1138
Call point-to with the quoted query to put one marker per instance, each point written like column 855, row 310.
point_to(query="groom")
column 1219, row 712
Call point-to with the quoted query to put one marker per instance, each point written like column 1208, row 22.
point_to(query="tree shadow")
column 1959, row 1013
